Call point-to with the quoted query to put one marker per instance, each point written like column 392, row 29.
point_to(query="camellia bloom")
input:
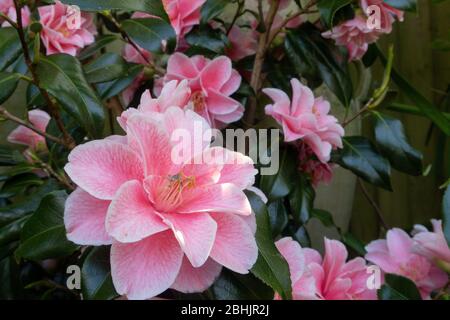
column 308, row 163
column 306, row 118
column 432, row 245
column 60, row 35
column 330, row 278
column 8, row 9
column 243, row 43
column 183, row 14
column 355, row 35
column 396, row 255
column 174, row 216
column 23, row 135
column 388, row 14
column 211, row 83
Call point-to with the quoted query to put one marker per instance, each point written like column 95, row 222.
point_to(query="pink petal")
column 84, row 218
column 292, row 252
column 399, row 244
column 180, row 67
column 216, row 73
column 195, row 233
column 238, row 170
column 100, row 167
column 144, row 269
column 192, row 279
column 235, row 245
column 130, row 216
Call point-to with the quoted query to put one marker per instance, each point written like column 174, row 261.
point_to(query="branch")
column 5, row 114
column 69, row 142
column 373, row 204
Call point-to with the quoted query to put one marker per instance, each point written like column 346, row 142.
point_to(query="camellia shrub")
column 173, row 149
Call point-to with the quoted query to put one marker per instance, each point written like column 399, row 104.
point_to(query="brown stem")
column 373, row 204
column 255, row 81
column 5, row 114
column 69, row 142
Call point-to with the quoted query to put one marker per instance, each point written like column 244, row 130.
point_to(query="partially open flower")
column 8, row 9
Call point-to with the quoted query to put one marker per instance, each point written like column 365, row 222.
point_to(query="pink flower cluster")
column 358, row 33
column 8, row 9
column 60, row 35
column 412, row 257
column 172, row 224
column 183, row 14
column 306, row 118
column 330, row 278
column 308, row 164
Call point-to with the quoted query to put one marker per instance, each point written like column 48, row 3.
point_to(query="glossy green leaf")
column 398, row 288
column 8, row 84
column 312, row 56
column 44, row 234
column 96, row 278
column 278, row 216
column 107, row 67
column 446, row 214
column 34, row 97
column 323, row 216
column 212, row 8
column 151, row 34
column 110, row 89
column 405, row 5
column 62, row 76
column 328, row 9
column 302, row 200
column 270, row 267
column 352, row 242
column 11, row 231
column 208, row 38
column 19, row 183
column 10, row 156
column 10, row 47
column 100, row 43
column 393, row 144
column 361, row 157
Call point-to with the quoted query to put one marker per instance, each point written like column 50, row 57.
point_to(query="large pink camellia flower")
column 388, row 14
column 396, row 255
column 306, row 118
column 355, row 35
column 174, row 210
column 8, row 9
column 22, row 135
column 211, row 83
column 432, row 245
column 183, row 14
column 60, row 35
column 330, row 278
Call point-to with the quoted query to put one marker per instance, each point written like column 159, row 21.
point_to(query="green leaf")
column 208, row 38
column 393, row 144
column 405, row 5
column 311, row 55
column 427, row 108
column 62, row 76
column 11, row 231
column 96, row 278
column 398, row 288
column 107, row 67
column 109, row 89
column 155, row 7
column 278, row 216
column 8, row 84
column 10, row 47
column 352, row 242
column 323, row 216
column 212, row 8
column 100, row 43
column 302, row 200
column 234, row 286
column 328, row 9
column 446, row 212
column 280, row 184
column 150, row 33
column 27, row 205
column 34, row 97
column 270, row 267
column 44, row 234
column 19, row 183
column 361, row 157
column 9, row 156
column 302, row 236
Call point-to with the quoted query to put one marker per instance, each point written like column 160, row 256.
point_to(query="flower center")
column 198, row 100
column 171, row 191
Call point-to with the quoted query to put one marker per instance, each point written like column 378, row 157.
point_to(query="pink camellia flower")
column 8, row 9
column 396, row 255
column 243, row 43
column 388, row 14
column 355, row 35
column 306, row 118
column 432, row 245
column 211, row 83
column 174, row 211
column 22, row 135
column 61, row 35
column 308, row 163
column 330, row 278
column 183, row 14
